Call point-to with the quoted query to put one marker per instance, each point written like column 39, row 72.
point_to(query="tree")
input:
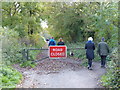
column 23, row 17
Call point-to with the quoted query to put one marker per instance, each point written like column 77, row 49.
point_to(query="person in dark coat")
column 60, row 42
column 52, row 42
column 90, row 47
column 103, row 51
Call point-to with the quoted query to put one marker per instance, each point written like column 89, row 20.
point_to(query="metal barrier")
column 25, row 53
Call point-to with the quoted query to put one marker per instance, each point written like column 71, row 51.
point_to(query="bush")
column 12, row 48
column 9, row 77
column 28, row 64
column 80, row 54
column 111, row 78
column 11, row 51
column 36, row 40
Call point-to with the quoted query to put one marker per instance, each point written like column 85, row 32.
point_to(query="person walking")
column 52, row 42
column 90, row 47
column 60, row 42
column 103, row 51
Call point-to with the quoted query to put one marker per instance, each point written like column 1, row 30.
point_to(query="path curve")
column 59, row 74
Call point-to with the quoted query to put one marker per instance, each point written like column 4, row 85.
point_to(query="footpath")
column 60, row 73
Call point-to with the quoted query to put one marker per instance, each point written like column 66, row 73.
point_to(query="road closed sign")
column 57, row 52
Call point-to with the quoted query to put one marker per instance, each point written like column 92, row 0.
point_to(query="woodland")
column 73, row 21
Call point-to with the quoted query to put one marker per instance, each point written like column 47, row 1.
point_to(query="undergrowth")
column 111, row 78
column 12, row 50
column 9, row 77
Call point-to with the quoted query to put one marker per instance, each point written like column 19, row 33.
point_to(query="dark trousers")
column 103, row 60
column 89, row 62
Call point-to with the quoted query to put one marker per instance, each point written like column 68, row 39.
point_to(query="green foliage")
column 64, row 17
column 74, row 22
column 23, row 17
column 78, row 21
column 111, row 78
column 33, row 54
column 9, row 77
column 37, row 40
column 11, row 48
column 78, row 53
column 28, row 64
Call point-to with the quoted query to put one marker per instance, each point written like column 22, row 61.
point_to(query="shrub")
column 9, row 77
column 111, row 78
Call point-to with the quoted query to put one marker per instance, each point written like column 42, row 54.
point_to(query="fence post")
column 27, row 54
column 24, row 54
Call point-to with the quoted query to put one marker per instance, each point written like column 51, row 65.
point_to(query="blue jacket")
column 52, row 42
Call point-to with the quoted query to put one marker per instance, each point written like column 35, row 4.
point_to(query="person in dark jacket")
column 60, row 42
column 90, row 47
column 52, row 42
column 103, row 51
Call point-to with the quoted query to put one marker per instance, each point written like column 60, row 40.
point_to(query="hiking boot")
column 90, row 68
column 103, row 66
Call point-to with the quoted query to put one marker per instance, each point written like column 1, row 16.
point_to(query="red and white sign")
column 57, row 52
